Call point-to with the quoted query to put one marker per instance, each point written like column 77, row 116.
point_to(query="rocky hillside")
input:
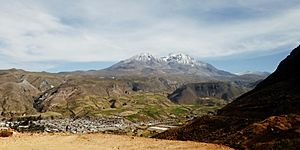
column 276, row 95
column 18, row 89
column 267, row 117
column 204, row 93
column 249, row 79
column 135, row 98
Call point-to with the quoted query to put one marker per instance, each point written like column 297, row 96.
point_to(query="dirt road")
column 96, row 142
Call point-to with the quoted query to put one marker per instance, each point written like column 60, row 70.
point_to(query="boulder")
column 6, row 132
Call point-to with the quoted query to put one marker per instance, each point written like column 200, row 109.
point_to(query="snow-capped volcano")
column 145, row 57
column 175, row 58
column 174, row 63
column 181, row 58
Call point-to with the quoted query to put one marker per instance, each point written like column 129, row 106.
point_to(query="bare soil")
column 95, row 142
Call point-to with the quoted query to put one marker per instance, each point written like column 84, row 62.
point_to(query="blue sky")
column 244, row 63
column 66, row 35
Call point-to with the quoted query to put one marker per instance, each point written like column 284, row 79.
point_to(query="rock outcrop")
column 6, row 132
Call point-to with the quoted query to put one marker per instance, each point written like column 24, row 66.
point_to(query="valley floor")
column 96, row 141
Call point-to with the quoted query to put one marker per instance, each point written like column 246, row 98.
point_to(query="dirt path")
column 96, row 142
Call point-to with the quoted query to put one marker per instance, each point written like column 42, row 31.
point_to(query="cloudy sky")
column 64, row 35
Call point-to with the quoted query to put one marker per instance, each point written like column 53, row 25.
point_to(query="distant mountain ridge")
column 179, row 58
column 174, row 63
column 259, row 73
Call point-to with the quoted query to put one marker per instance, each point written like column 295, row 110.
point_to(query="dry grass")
column 96, row 141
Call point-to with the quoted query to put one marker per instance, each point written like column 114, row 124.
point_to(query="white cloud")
column 35, row 31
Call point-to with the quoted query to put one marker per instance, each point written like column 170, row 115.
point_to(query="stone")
column 6, row 132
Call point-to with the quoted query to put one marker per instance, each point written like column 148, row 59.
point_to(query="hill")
column 135, row 98
column 206, row 93
column 276, row 95
column 267, row 117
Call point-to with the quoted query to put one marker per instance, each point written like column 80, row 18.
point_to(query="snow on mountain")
column 181, row 58
column 175, row 63
column 177, row 58
column 145, row 57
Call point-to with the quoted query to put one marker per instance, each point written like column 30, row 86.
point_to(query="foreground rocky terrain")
column 267, row 117
column 97, row 141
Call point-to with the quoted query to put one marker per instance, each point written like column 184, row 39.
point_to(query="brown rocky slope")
column 267, row 117
column 199, row 93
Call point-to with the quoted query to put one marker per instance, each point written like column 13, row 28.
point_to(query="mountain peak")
column 174, row 63
column 145, row 57
column 181, row 58
column 180, row 55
